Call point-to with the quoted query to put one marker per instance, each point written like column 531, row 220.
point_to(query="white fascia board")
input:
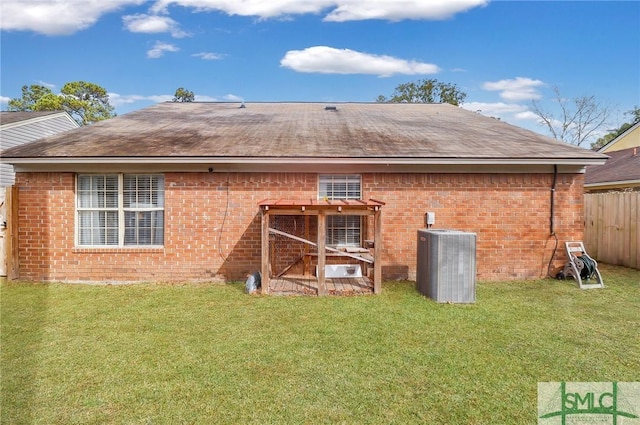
column 330, row 165
column 311, row 161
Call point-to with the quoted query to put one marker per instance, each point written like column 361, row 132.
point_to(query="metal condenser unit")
column 446, row 265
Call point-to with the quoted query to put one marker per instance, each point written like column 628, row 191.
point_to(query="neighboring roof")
column 7, row 117
column 622, row 168
column 298, row 132
column 629, row 139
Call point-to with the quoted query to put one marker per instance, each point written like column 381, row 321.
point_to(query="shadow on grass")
column 23, row 313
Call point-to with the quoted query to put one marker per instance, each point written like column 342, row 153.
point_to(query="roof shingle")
column 10, row 117
column 622, row 165
column 300, row 130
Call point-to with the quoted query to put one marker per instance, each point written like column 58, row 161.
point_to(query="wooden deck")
column 308, row 285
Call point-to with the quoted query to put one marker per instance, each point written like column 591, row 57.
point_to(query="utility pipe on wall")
column 552, row 230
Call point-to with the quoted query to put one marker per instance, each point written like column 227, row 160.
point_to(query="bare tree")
column 580, row 118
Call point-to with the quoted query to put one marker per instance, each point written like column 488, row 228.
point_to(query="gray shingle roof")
column 302, row 130
column 10, row 117
column 622, row 165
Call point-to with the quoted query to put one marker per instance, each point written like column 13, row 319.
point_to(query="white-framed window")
column 120, row 210
column 339, row 186
column 342, row 230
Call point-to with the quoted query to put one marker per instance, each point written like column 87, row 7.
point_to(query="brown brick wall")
column 510, row 214
column 212, row 224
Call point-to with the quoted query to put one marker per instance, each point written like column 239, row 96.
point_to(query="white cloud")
column 339, row 10
column 260, row 8
column 45, row 84
column 328, row 60
column 512, row 91
column 393, row 10
column 4, row 100
column 159, row 49
column 516, row 89
column 232, row 98
column 58, row 17
column 513, row 113
column 208, row 56
column 116, row 99
column 54, row 17
column 494, row 108
column 153, row 24
column 527, row 116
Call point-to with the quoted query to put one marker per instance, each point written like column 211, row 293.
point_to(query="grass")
column 195, row 354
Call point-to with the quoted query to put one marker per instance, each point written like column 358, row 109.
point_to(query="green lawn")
column 208, row 354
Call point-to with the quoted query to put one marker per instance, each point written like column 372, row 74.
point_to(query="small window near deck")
column 342, row 230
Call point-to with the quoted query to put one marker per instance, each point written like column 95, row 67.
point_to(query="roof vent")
column 242, row 105
column 332, row 108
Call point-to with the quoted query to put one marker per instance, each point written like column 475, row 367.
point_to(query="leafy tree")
column 30, row 97
column 183, row 95
column 85, row 102
column 635, row 118
column 579, row 118
column 425, row 91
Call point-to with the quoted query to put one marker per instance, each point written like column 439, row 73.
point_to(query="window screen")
column 98, row 210
column 120, row 209
column 344, row 186
column 342, row 230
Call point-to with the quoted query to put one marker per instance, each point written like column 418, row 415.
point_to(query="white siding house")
column 19, row 128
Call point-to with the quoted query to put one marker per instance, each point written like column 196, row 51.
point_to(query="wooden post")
column 265, row 251
column 307, row 259
column 377, row 252
column 4, row 223
column 11, row 235
column 322, row 235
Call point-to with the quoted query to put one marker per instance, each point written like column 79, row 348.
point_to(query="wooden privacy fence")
column 612, row 230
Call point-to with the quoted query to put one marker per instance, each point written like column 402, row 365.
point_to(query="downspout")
column 552, row 230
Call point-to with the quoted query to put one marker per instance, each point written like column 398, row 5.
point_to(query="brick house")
column 178, row 191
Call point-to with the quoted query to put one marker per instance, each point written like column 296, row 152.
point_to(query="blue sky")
column 503, row 54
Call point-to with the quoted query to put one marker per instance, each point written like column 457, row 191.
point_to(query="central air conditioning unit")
column 446, row 265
